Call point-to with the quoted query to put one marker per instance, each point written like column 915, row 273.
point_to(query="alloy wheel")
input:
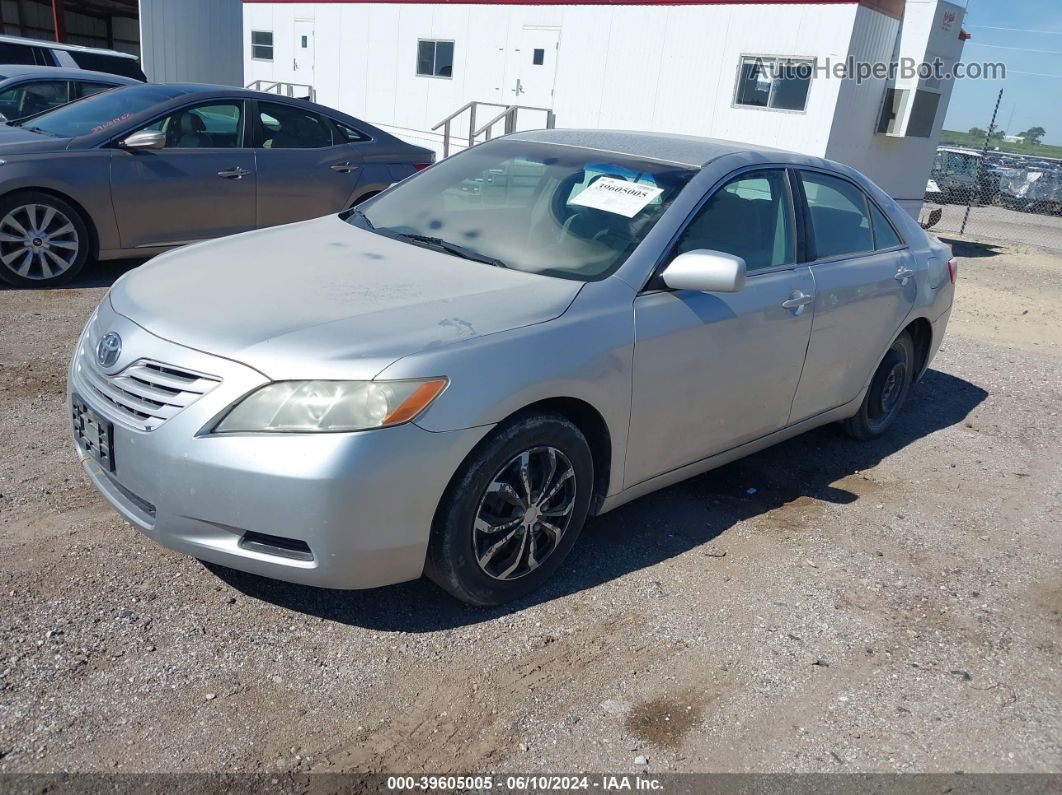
column 524, row 513
column 38, row 242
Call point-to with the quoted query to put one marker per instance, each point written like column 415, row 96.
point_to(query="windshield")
column 556, row 210
column 98, row 112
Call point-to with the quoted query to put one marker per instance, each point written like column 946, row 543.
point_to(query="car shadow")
column 972, row 249
column 653, row 528
column 96, row 274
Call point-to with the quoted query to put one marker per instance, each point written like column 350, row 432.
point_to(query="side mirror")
column 705, row 271
column 145, row 139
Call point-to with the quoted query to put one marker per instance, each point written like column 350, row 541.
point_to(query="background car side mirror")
column 705, row 271
column 145, row 139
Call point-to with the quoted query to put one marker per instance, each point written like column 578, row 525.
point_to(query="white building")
column 685, row 67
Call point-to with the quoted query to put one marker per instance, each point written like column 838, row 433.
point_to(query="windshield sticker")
column 617, row 196
column 112, row 122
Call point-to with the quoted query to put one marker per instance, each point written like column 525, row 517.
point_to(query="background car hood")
column 323, row 299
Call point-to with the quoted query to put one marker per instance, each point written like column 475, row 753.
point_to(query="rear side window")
column 884, row 233
column 111, row 64
column 840, row 223
column 345, row 134
column 750, row 217
column 285, row 127
column 17, row 53
column 88, row 89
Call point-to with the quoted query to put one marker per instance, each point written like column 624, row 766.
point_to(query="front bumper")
column 362, row 502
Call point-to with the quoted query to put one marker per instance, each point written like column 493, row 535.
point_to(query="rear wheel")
column 887, row 393
column 43, row 240
column 513, row 511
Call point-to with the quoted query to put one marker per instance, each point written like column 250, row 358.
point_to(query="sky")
column 1032, row 43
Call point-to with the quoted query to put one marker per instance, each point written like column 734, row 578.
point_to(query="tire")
column 44, row 241
column 888, row 391
column 488, row 567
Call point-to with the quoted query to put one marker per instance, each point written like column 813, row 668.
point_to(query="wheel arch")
column 921, row 331
column 86, row 216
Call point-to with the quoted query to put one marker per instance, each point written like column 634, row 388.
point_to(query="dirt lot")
column 895, row 606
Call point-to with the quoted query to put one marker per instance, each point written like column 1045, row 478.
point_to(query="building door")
column 302, row 63
column 531, row 71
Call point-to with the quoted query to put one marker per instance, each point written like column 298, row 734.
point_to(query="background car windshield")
column 99, row 112
column 535, row 207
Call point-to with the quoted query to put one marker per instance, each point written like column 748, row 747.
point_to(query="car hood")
column 324, row 299
column 17, row 141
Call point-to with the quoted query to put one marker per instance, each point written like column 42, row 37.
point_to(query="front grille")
column 143, row 395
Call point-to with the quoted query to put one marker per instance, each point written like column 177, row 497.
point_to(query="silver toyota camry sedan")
column 449, row 379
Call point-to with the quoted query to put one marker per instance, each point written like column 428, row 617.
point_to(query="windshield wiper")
column 450, row 248
column 41, row 131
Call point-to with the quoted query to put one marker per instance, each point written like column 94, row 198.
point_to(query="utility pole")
column 981, row 163
column 59, row 20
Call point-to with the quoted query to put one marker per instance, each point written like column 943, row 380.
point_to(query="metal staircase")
column 507, row 117
column 297, row 90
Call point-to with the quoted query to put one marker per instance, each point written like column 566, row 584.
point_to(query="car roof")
column 959, row 151
column 8, row 71
column 688, row 150
column 53, row 45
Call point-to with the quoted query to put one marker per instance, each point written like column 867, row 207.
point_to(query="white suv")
column 18, row 50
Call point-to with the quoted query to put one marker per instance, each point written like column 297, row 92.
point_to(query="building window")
column 262, row 45
column 538, row 57
column 775, row 83
column 435, row 58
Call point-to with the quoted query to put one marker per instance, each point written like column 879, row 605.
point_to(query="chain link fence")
column 995, row 196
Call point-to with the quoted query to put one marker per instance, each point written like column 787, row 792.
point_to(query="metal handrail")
column 509, row 113
column 282, row 89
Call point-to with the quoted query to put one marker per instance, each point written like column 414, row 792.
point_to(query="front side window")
column 262, row 45
column 215, row 126
column 775, row 83
column 27, row 99
column 435, row 58
column 750, row 217
column 840, row 223
column 560, row 211
column 285, row 127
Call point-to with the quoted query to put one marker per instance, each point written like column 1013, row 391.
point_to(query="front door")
column 200, row 186
column 303, row 63
column 715, row 370
column 531, row 71
column 865, row 289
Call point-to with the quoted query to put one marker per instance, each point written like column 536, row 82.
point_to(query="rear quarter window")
column 111, row 64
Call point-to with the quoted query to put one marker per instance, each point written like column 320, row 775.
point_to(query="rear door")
column 202, row 185
column 307, row 167
column 865, row 288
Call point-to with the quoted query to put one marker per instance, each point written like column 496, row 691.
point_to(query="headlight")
column 330, row 406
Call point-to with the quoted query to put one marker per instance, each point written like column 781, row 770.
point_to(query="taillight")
column 953, row 270
column 420, row 166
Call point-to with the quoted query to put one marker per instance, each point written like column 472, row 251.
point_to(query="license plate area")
column 93, row 433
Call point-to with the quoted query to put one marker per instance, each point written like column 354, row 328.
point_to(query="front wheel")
column 43, row 240
column 888, row 391
column 512, row 512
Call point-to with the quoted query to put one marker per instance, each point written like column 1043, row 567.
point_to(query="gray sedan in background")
column 28, row 90
column 450, row 378
column 144, row 168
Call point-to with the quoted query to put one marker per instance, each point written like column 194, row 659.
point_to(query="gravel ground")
column 894, row 606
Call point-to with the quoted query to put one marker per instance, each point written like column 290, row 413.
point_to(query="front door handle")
column 903, row 274
column 797, row 300
column 344, row 168
column 233, row 173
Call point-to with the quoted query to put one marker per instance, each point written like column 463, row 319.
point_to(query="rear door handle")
column 797, row 300
column 344, row 168
column 233, row 173
column 903, row 274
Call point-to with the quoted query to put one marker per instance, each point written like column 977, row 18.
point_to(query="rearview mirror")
column 145, row 139
column 705, row 271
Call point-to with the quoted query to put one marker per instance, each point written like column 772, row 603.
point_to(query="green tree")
column 977, row 131
column 1033, row 135
column 998, row 135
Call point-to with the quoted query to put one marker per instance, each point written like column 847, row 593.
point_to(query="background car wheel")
column 512, row 512
column 43, row 240
column 887, row 393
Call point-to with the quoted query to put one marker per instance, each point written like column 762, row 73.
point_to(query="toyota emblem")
column 109, row 349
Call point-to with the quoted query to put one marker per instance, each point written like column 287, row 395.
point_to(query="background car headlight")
column 330, row 406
